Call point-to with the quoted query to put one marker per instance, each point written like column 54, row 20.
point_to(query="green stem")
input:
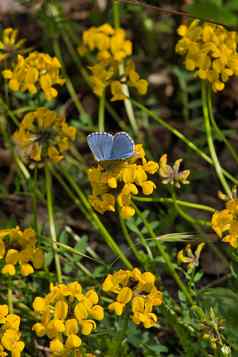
column 34, row 201
column 68, row 81
column 22, row 167
column 186, row 216
column 105, row 234
column 9, row 112
column 127, row 102
column 166, row 257
column 179, row 202
column 70, row 193
column 10, row 300
column 130, row 241
column 48, row 182
column 183, row 138
column 101, row 113
column 217, row 129
column 116, row 13
column 210, row 142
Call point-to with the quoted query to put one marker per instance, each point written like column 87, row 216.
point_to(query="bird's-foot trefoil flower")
column 137, row 290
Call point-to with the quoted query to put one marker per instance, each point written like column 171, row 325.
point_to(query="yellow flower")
column 37, row 72
column 142, row 312
column 225, row 223
column 130, row 176
column 43, row 135
column 9, row 44
column 210, row 50
column 117, row 91
column 187, row 256
column 136, row 289
column 112, row 49
column 171, row 174
column 65, row 313
column 19, row 247
column 9, row 333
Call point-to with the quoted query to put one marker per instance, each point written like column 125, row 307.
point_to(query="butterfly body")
column 108, row 147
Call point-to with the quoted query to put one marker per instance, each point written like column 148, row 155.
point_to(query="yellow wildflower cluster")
column 10, row 334
column 44, row 135
column 19, row 248
column 137, row 288
column 187, row 256
column 119, row 181
column 226, row 221
column 210, row 50
column 9, row 44
column 171, row 174
column 112, row 48
column 37, row 72
column 66, row 312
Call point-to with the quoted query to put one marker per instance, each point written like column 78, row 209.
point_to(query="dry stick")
column 176, row 12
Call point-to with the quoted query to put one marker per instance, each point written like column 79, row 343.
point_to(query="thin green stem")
column 116, row 13
column 220, row 133
column 9, row 112
column 101, row 113
column 70, row 193
column 68, row 81
column 97, row 222
column 48, row 183
column 179, row 202
column 127, row 102
column 22, row 167
column 130, row 241
column 195, row 223
column 166, row 257
column 10, row 300
column 186, row 216
column 210, row 142
column 183, row 138
column 34, row 201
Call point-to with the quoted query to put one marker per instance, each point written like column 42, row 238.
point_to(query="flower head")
column 66, row 313
column 119, row 181
column 44, row 135
column 19, row 252
column 37, row 72
column 171, row 174
column 210, row 50
column 9, row 44
column 225, row 223
column 187, row 256
column 112, row 49
column 137, row 289
column 10, row 340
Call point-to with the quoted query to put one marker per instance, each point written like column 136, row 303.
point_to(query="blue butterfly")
column 105, row 146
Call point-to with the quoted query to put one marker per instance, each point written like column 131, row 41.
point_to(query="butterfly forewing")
column 101, row 145
column 123, row 146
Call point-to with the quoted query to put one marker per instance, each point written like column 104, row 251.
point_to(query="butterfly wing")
column 123, row 146
column 101, row 145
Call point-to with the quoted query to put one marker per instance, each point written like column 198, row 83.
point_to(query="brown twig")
column 176, row 12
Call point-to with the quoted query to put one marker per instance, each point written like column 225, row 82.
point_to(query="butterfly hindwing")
column 123, row 146
column 101, row 145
